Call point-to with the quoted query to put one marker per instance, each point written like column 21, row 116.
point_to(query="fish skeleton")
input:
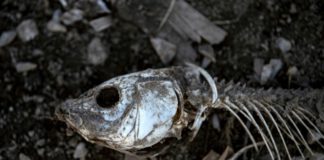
column 138, row 112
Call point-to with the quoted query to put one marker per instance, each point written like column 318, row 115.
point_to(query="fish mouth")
column 65, row 113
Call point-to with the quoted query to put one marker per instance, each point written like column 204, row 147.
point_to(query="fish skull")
column 135, row 111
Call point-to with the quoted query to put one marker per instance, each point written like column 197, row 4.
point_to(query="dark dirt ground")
column 28, row 100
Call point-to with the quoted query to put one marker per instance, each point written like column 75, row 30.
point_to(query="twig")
column 167, row 14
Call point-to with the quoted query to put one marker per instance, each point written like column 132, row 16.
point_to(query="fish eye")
column 107, row 97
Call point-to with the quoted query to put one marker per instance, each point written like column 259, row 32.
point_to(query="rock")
column 96, row 52
column 283, row 44
column 131, row 157
column 292, row 71
column 63, row 3
column 314, row 137
column 103, row 7
column 276, row 65
column 41, row 151
column 31, row 133
column 317, row 156
column 208, row 51
column 164, row 49
column 54, row 26
column 40, row 143
column 205, row 62
column 37, row 52
column 72, row 16
column 216, row 122
column 25, row 66
column 80, row 151
column 27, row 30
column 7, row 37
column 212, row 155
column 257, row 66
column 293, row 8
column 269, row 71
column 173, row 19
column 101, row 23
column 265, row 74
column 23, row 157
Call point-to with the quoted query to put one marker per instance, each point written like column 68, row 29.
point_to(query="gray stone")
column 269, row 71
column 23, row 157
column 80, row 151
column 101, row 23
column 41, row 151
column 283, row 44
column 276, row 65
column 165, row 50
column 7, row 37
column 25, row 66
column 72, row 16
column 96, row 52
column 205, row 62
column 257, row 66
column 40, row 142
column 103, row 7
column 27, row 30
column 293, row 9
column 216, row 122
column 55, row 26
column 292, row 71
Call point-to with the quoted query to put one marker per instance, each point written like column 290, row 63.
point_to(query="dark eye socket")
column 107, row 97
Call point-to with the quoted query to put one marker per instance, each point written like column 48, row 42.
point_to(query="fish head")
column 128, row 112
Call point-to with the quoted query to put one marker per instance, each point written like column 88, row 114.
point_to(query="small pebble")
column 41, row 151
column 27, row 30
column 205, row 62
column 292, row 71
column 72, row 16
column 283, row 44
column 101, row 23
column 31, row 133
column 37, row 52
column 257, row 66
column 80, row 151
column 216, row 122
column 73, row 142
column 269, row 71
column 40, row 143
column 317, row 156
column 131, row 157
column 63, row 3
column 165, row 50
column 276, row 65
column 7, row 37
column 23, row 157
column 265, row 74
column 103, row 7
column 25, row 66
column 293, row 8
column 96, row 52
column 55, row 26
column 212, row 155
